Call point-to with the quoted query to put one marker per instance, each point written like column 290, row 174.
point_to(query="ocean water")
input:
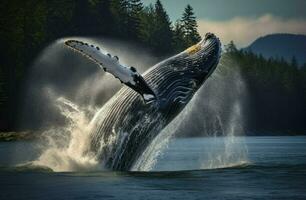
column 190, row 168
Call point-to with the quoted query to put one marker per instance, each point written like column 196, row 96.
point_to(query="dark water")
column 276, row 169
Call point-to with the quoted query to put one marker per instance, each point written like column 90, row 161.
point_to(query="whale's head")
column 202, row 58
column 176, row 79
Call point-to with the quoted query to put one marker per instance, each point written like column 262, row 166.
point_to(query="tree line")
column 277, row 91
column 277, row 88
column 28, row 26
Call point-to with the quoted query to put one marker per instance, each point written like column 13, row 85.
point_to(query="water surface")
column 275, row 168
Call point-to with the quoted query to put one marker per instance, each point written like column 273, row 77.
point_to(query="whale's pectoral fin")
column 127, row 75
column 142, row 88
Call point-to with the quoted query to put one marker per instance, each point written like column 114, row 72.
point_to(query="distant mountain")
column 281, row 45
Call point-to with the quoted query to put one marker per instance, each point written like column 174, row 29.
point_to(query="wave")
column 27, row 167
column 242, row 169
column 30, row 167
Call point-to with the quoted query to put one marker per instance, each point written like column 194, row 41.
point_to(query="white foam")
column 65, row 148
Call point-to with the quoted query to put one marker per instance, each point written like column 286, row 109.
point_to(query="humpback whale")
column 147, row 102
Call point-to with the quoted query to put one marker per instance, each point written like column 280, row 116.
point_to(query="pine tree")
column 134, row 22
column 81, row 18
column 120, row 12
column 179, row 43
column 162, row 36
column 148, row 25
column 59, row 16
column 190, row 26
column 102, row 21
column 231, row 48
column 294, row 62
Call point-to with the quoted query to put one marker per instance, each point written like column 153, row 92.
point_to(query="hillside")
column 281, row 45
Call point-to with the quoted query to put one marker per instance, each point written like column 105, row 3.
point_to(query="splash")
column 149, row 158
column 64, row 148
column 227, row 104
column 58, row 75
column 217, row 112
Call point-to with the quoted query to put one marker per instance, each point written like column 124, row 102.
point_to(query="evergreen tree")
column 27, row 26
column 81, row 18
column 148, row 26
column 59, row 16
column 120, row 13
column 231, row 47
column 162, row 36
column 179, row 42
column 102, row 18
column 134, row 22
column 294, row 62
column 303, row 80
column 190, row 26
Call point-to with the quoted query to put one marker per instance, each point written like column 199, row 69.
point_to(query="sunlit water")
column 276, row 170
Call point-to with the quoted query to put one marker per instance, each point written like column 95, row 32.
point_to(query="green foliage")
column 59, row 16
column 134, row 19
column 294, row 62
column 120, row 13
column 190, row 26
column 277, row 90
column 303, row 78
column 162, row 33
column 147, row 31
column 179, row 42
column 159, row 34
column 28, row 26
column 3, row 95
column 230, row 48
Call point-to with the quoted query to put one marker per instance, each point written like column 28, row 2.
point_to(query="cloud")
column 244, row 30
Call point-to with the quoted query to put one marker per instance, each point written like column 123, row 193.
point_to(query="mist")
column 60, row 72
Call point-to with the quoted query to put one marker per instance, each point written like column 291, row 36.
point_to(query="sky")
column 242, row 21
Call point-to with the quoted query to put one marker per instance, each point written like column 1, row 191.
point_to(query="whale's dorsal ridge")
column 127, row 75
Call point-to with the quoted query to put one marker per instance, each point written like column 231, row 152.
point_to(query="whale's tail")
column 127, row 75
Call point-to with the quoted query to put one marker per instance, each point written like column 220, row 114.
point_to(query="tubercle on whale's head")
column 204, row 56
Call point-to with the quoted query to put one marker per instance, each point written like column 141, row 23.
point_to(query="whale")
column 124, row 127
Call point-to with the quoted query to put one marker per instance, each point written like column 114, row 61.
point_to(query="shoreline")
column 18, row 136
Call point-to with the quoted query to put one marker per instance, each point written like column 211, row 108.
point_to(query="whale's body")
column 126, row 124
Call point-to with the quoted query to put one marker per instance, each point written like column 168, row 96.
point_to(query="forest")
column 277, row 92
column 277, row 88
